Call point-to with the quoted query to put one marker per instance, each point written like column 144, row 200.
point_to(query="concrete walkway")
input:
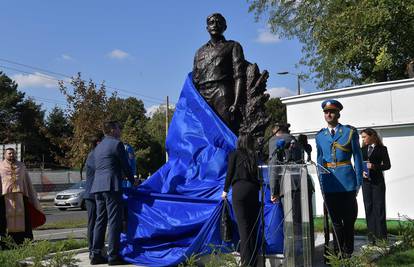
column 83, row 255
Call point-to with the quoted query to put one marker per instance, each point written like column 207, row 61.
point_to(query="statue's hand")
column 232, row 108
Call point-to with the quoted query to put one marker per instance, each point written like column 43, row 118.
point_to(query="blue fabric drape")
column 176, row 212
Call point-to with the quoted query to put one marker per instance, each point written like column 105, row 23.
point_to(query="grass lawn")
column 78, row 223
column 404, row 258
column 361, row 226
column 39, row 250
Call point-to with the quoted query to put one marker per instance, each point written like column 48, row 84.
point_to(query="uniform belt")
column 337, row 164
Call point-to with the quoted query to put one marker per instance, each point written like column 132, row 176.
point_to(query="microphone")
column 279, row 151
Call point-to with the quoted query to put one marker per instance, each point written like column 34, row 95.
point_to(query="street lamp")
column 294, row 74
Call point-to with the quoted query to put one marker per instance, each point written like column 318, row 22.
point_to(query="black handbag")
column 225, row 223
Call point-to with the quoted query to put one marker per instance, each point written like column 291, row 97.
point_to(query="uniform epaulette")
column 321, row 130
column 351, row 127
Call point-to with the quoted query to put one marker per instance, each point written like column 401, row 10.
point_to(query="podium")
column 295, row 187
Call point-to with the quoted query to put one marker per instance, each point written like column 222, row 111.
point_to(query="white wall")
column 386, row 107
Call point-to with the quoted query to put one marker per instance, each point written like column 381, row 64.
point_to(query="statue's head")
column 216, row 24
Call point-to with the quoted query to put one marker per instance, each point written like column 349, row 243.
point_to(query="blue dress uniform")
column 341, row 184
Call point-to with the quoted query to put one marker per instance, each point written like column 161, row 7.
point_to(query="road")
column 53, row 215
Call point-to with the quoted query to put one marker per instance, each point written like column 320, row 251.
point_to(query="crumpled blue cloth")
column 176, row 212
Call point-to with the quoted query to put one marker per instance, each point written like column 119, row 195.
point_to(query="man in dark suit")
column 87, row 196
column 111, row 166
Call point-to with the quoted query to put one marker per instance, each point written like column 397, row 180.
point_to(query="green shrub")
column 38, row 251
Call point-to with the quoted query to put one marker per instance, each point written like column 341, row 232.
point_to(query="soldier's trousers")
column 343, row 210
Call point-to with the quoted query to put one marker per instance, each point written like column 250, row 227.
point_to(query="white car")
column 72, row 197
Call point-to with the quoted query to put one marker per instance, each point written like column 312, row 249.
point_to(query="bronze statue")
column 233, row 87
column 219, row 71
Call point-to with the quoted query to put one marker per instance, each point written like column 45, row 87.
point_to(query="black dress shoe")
column 98, row 260
column 117, row 262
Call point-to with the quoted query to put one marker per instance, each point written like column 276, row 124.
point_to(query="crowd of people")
column 110, row 166
column 340, row 180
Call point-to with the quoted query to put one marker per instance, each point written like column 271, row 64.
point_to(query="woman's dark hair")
column 246, row 145
column 246, row 142
column 371, row 132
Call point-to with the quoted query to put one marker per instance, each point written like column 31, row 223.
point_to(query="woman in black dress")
column 375, row 155
column 242, row 176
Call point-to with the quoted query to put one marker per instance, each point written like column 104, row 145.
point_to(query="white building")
column 387, row 107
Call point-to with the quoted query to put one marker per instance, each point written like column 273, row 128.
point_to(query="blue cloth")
column 111, row 165
column 176, row 212
column 131, row 158
column 341, row 178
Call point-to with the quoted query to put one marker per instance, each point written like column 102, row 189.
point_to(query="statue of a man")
column 219, row 72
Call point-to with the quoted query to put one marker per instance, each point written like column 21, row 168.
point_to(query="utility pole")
column 294, row 74
column 167, row 119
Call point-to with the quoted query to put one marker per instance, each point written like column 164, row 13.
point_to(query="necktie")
column 370, row 148
column 332, row 132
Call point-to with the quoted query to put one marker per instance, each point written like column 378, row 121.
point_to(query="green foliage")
column 21, row 121
column 87, row 110
column 39, row 253
column 383, row 254
column 155, row 155
column 276, row 110
column 75, row 223
column 121, row 109
column 217, row 257
column 402, row 258
column 406, row 234
column 10, row 99
column 358, row 41
column 58, row 130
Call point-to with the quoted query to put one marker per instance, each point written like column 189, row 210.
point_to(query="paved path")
column 83, row 257
column 59, row 234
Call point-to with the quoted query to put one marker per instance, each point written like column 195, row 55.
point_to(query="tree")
column 276, row 110
column 121, row 109
column 87, row 110
column 156, row 126
column 359, row 41
column 58, row 131
column 29, row 131
column 22, row 121
column 148, row 153
column 10, row 98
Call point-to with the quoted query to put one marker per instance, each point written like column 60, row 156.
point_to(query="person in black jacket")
column 375, row 155
column 242, row 176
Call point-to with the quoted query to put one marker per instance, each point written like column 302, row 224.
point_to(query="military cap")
column 332, row 104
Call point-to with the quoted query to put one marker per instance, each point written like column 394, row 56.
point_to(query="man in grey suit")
column 111, row 166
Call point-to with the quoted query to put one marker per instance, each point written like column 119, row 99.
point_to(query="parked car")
column 72, row 197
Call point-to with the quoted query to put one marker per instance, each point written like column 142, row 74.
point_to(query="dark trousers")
column 91, row 208
column 19, row 236
column 374, row 202
column 343, row 210
column 246, row 208
column 109, row 212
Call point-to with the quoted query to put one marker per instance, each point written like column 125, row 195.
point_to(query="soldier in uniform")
column 336, row 144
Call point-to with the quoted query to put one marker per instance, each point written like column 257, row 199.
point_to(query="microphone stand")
column 262, row 195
